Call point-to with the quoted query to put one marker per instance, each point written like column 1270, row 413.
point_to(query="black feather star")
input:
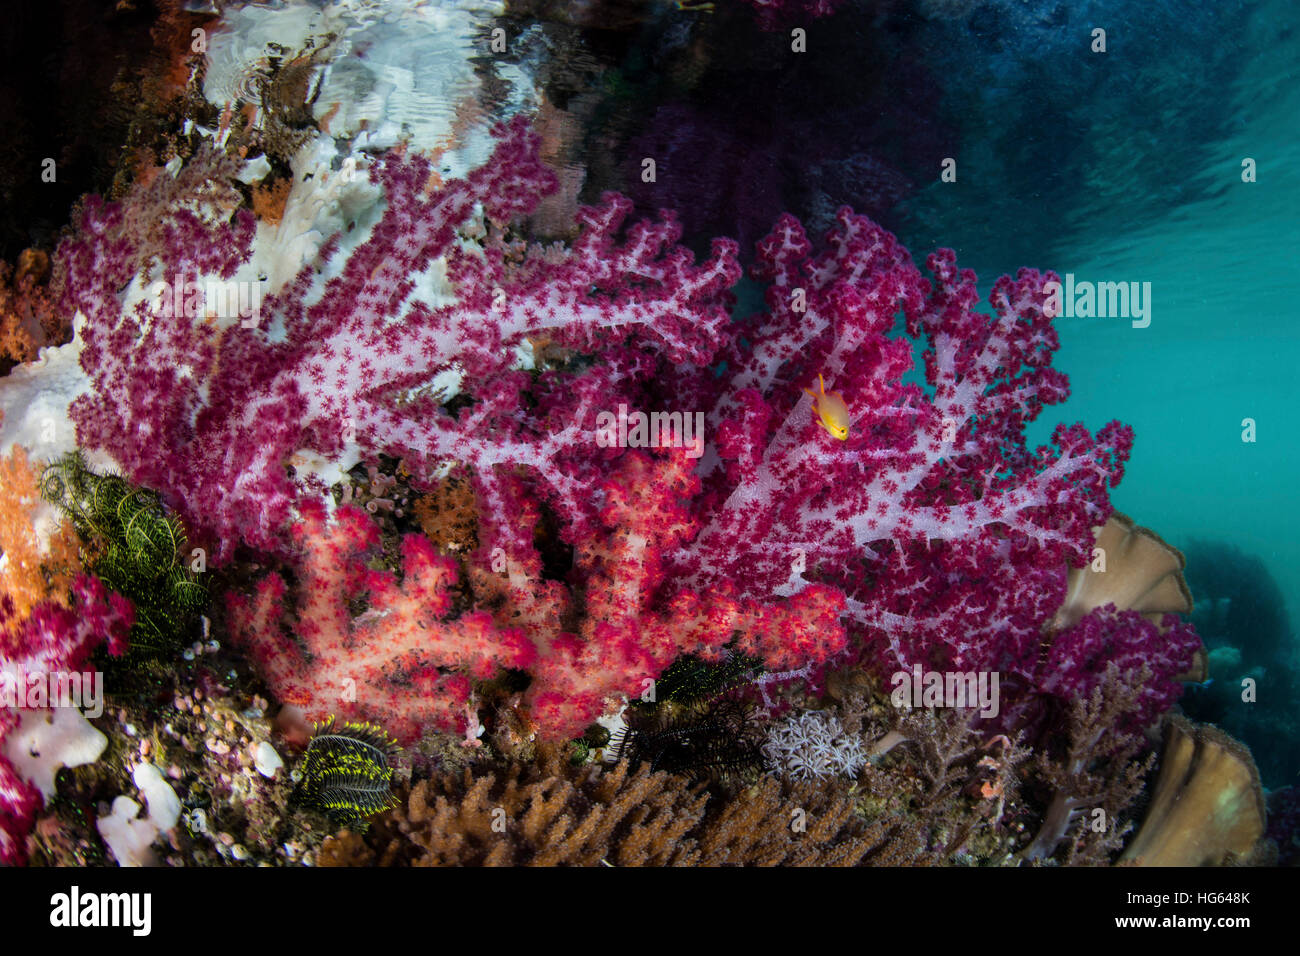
column 717, row 739
column 346, row 771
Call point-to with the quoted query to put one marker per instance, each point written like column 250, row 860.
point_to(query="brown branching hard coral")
column 1208, row 806
column 540, row 814
column 937, row 790
column 551, row 813
column 805, row 824
column 1094, row 780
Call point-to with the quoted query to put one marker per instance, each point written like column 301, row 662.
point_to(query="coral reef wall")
column 447, row 445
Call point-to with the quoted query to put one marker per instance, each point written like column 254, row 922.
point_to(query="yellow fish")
column 833, row 411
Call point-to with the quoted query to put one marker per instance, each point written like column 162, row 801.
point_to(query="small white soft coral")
column 813, row 745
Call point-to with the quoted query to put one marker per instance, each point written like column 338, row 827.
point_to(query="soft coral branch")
column 403, row 661
column 212, row 416
column 623, row 634
column 948, row 535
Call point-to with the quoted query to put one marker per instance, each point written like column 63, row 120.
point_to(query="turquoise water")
column 1150, row 189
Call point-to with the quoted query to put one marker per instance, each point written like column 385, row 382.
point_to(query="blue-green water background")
column 1126, row 166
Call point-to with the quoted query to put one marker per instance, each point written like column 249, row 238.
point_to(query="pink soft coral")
column 407, row 663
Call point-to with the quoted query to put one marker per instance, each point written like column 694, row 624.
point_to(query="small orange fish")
column 832, row 409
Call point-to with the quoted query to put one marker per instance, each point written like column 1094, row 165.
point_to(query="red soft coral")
column 626, row 634
column 401, row 662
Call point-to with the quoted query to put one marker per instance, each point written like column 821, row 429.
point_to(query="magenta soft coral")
column 945, row 537
column 1075, row 662
column 211, row 418
column 949, row 536
column 401, row 662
